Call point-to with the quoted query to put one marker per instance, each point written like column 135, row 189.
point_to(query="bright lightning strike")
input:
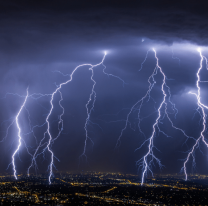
column 148, row 159
column 202, row 107
column 89, row 109
column 92, row 99
column 19, row 135
column 150, row 153
column 48, row 147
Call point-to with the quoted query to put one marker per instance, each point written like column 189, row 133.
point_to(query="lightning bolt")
column 34, row 96
column 51, row 140
column 92, row 99
column 202, row 107
column 89, row 108
column 19, row 135
column 148, row 159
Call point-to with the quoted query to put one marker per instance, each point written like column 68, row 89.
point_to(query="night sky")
column 39, row 38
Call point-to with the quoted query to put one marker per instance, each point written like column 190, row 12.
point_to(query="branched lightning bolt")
column 34, row 96
column 151, row 145
column 148, row 159
column 51, row 140
column 92, row 99
column 165, row 102
column 89, row 109
column 202, row 107
column 19, row 135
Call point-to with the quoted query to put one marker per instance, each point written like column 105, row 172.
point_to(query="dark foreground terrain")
column 103, row 189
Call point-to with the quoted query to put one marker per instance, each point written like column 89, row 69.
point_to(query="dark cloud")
column 157, row 20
